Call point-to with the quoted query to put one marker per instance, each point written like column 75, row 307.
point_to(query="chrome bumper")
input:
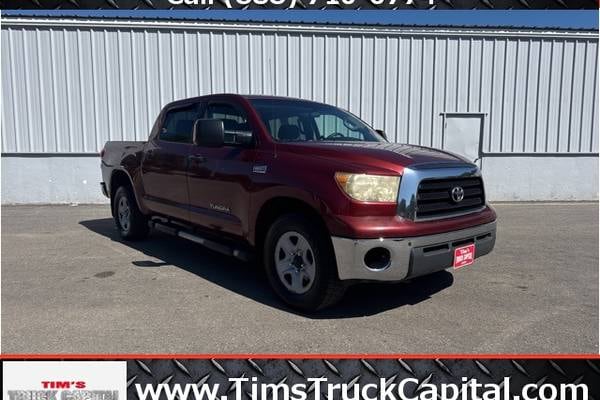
column 410, row 257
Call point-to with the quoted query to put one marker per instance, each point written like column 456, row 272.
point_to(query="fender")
column 118, row 169
column 259, row 199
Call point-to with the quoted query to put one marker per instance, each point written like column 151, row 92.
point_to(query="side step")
column 175, row 230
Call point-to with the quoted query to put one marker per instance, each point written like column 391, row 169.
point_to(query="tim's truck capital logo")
column 63, row 390
column 64, row 380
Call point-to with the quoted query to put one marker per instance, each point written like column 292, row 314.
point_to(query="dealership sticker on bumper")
column 464, row 256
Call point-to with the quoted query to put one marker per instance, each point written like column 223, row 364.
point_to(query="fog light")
column 378, row 258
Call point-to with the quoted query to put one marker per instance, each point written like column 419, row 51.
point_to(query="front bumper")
column 410, row 256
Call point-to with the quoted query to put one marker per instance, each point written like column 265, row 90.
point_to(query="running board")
column 209, row 244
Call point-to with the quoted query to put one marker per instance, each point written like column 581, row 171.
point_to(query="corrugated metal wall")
column 68, row 90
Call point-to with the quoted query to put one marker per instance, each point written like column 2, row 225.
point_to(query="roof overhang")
column 294, row 28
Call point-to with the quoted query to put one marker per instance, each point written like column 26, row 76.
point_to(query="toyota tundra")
column 310, row 191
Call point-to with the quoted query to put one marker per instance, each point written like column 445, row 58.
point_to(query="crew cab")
column 309, row 190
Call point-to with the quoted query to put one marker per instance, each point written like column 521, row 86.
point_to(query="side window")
column 178, row 124
column 289, row 128
column 234, row 119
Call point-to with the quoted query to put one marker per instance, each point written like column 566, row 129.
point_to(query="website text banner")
column 298, row 379
column 300, row 4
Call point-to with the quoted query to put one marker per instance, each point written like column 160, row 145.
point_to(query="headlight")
column 362, row 187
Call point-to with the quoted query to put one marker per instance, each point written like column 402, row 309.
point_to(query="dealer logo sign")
column 64, row 380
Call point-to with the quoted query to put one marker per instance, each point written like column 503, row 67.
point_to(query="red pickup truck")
column 310, row 190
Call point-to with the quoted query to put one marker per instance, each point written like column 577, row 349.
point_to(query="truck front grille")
column 434, row 197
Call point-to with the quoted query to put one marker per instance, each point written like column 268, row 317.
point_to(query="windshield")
column 302, row 121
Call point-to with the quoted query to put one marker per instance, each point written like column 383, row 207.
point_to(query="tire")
column 131, row 223
column 300, row 264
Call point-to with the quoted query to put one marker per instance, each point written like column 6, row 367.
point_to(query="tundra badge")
column 219, row 207
column 259, row 169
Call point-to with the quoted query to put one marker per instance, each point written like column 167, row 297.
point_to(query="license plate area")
column 463, row 256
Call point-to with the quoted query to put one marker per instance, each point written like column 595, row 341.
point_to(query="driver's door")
column 219, row 178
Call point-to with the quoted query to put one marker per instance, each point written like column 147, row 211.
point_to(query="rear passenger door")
column 219, row 178
column 165, row 162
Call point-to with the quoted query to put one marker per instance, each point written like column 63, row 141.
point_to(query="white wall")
column 76, row 179
column 69, row 85
column 541, row 178
column 51, row 180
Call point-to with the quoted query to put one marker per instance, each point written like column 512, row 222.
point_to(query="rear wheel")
column 130, row 221
column 300, row 264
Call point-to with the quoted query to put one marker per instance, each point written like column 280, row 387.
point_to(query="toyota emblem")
column 458, row 193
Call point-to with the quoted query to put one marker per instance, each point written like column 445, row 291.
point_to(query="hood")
column 391, row 156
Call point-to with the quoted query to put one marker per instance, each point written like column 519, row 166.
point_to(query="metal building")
column 523, row 102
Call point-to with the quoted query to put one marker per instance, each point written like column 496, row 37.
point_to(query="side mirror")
column 209, row 133
column 381, row 133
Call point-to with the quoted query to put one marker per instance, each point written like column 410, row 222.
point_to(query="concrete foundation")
column 540, row 178
column 51, row 180
column 75, row 179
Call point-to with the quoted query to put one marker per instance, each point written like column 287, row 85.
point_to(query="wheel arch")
column 278, row 206
column 118, row 178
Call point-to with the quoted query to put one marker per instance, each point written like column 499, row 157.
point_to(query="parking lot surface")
column 69, row 285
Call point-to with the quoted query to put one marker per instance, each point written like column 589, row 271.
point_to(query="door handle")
column 197, row 159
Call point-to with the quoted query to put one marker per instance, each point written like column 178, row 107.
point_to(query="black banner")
column 296, row 378
column 411, row 377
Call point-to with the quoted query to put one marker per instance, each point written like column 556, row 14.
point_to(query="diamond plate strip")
column 363, row 371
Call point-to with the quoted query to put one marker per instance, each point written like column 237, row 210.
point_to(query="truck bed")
column 116, row 151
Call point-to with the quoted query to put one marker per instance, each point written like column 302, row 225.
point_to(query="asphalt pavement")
column 70, row 285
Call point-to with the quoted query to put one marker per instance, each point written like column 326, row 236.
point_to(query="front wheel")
column 300, row 264
column 130, row 221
